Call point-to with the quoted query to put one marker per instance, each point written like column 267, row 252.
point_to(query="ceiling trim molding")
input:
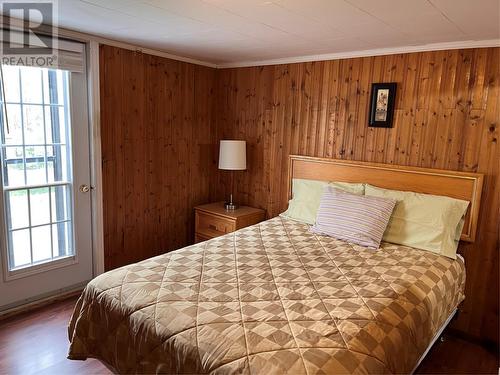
column 149, row 51
column 366, row 53
column 87, row 38
column 132, row 47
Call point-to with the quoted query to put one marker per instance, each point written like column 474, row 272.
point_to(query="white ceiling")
column 226, row 32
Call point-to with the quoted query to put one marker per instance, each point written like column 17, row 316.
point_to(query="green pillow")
column 424, row 221
column 306, row 195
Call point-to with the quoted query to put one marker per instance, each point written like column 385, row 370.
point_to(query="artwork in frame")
column 382, row 100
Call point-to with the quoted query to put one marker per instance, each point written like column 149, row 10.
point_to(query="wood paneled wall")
column 446, row 116
column 156, row 120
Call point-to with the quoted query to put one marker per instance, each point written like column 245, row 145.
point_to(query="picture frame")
column 383, row 96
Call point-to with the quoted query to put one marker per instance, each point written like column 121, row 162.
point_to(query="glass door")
column 45, row 170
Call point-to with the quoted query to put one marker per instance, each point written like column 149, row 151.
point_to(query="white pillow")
column 424, row 221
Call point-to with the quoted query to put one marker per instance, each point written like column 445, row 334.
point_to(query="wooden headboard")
column 460, row 185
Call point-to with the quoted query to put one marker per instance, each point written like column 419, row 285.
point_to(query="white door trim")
column 95, row 158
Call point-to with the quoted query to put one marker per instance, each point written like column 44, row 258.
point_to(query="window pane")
column 31, row 80
column 61, row 203
column 11, row 79
column 33, row 125
column 46, row 88
column 57, row 163
column 54, row 81
column 13, row 166
column 13, row 152
column 62, row 239
column 15, row 134
column 20, row 248
column 40, row 206
column 17, row 213
column 42, row 249
column 35, row 165
column 55, row 124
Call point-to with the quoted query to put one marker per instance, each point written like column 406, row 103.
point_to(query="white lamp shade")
column 233, row 155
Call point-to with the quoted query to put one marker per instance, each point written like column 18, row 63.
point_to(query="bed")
column 276, row 298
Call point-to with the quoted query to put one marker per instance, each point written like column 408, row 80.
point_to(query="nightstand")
column 212, row 220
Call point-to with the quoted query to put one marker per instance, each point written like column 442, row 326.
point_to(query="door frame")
column 8, row 275
column 96, row 212
column 49, row 288
column 95, row 157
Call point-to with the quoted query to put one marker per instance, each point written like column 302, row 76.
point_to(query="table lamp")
column 232, row 157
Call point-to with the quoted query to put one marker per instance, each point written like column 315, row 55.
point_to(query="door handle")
column 84, row 188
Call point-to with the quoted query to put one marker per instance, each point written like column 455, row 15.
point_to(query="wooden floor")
column 37, row 342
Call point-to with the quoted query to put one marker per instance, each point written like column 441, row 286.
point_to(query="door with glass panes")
column 45, row 175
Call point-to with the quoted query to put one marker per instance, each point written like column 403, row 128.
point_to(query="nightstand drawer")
column 212, row 220
column 212, row 226
column 200, row 238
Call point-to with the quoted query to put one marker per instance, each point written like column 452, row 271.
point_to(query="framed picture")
column 382, row 104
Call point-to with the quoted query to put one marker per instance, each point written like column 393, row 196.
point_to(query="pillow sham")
column 424, row 221
column 358, row 219
column 306, row 197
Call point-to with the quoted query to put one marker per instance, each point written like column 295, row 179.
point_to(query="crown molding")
column 149, row 51
column 366, row 53
column 87, row 38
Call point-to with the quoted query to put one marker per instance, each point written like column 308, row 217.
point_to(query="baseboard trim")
column 39, row 302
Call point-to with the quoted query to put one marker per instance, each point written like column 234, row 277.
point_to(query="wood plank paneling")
column 157, row 124
column 446, row 116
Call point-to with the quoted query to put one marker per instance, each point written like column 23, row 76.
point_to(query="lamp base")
column 230, row 206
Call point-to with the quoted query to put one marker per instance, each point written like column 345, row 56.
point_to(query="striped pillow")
column 358, row 219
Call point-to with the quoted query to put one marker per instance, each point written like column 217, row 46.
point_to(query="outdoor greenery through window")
column 36, row 165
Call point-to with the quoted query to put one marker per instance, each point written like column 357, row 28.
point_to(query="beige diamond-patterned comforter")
column 273, row 298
